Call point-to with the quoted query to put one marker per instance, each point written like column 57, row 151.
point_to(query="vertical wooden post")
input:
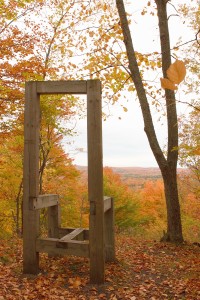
column 54, row 221
column 109, row 233
column 95, row 182
column 31, row 178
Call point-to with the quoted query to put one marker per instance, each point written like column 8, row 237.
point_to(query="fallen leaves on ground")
column 143, row 270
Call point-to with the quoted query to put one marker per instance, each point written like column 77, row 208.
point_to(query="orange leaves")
column 167, row 84
column 176, row 74
column 74, row 282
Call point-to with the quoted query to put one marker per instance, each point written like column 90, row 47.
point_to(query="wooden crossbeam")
column 43, row 201
column 66, row 231
column 70, row 236
column 107, row 203
column 62, row 87
column 56, row 247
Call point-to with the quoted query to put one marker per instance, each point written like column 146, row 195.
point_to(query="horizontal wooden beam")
column 107, row 203
column 62, row 87
column 43, row 201
column 64, row 231
column 55, row 247
column 72, row 235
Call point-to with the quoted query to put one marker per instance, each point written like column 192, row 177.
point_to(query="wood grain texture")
column 31, row 177
column 72, row 235
column 95, row 181
column 62, row 87
column 83, row 236
column 54, row 221
column 107, row 203
column 109, row 227
column 43, row 201
column 55, row 247
column 71, row 243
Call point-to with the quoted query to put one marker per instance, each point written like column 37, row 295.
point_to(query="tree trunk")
column 167, row 166
column 174, row 227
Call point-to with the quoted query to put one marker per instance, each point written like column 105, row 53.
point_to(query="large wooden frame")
column 100, row 246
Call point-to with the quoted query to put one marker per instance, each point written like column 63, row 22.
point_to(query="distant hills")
column 138, row 172
column 134, row 176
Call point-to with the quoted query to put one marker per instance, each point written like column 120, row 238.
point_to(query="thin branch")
column 197, row 37
column 120, row 64
column 178, row 46
column 189, row 104
column 172, row 6
column 173, row 15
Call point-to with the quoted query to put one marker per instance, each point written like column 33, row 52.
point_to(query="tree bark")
column 168, row 166
column 174, row 227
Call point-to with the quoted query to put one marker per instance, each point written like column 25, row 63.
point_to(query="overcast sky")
column 124, row 141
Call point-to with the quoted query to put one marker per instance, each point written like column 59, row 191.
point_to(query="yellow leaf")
column 197, row 151
column 125, row 109
column 176, row 72
column 167, row 84
column 131, row 88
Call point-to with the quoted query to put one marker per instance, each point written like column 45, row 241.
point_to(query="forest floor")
column 143, row 270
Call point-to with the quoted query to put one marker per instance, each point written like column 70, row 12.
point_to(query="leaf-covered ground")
column 143, row 270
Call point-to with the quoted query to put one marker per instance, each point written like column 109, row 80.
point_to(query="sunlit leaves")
column 126, row 201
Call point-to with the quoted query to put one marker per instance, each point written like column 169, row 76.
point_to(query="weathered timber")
column 31, row 178
column 43, row 201
column 98, row 241
column 74, row 234
column 62, row 87
column 55, row 247
column 95, row 182
column 54, row 221
column 84, row 235
column 107, row 203
column 109, row 233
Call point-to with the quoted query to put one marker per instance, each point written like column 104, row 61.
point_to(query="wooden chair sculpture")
column 97, row 243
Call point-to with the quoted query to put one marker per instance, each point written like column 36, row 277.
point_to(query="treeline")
column 138, row 211
column 142, row 211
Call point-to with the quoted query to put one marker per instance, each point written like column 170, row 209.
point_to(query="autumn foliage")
column 37, row 43
column 175, row 74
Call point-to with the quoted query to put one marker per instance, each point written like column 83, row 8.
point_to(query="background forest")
column 63, row 40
